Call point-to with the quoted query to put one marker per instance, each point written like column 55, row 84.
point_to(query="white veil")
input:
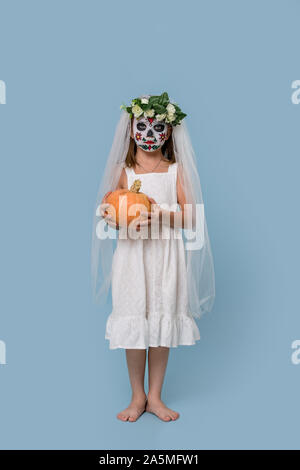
column 199, row 261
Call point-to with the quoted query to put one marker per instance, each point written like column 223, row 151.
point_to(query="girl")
column 159, row 283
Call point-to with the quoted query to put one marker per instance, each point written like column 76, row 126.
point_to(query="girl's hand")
column 109, row 220
column 150, row 218
column 101, row 210
column 152, row 200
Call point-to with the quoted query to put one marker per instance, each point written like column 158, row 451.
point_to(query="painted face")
column 149, row 134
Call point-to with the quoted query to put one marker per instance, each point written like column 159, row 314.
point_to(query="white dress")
column 149, row 281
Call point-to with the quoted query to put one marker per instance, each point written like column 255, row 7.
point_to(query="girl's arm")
column 122, row 184
column 176, row 218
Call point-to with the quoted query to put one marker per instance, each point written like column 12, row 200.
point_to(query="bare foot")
column 157, row 407
column 134, row 410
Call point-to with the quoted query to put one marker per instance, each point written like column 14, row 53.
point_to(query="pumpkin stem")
column 136, row 186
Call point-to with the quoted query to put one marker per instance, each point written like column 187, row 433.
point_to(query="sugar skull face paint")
column 149, row 134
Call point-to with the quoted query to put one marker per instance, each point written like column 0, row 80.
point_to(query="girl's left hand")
column 152, row 217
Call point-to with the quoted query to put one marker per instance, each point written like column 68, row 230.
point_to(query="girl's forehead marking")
column 150, row 120
column 146, row 120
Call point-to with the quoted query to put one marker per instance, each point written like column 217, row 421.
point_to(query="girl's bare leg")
column 157, row 364
column 136, row 362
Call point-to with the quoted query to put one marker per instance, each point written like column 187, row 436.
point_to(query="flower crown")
column 156, row 106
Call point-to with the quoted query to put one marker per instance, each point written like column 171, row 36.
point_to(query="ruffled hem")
column 132, row 332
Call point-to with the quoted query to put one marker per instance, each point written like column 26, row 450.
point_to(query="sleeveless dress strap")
column 129, row 171
column 173, row 168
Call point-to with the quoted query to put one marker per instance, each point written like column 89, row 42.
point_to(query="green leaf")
column 159, row 109
column 163, row 99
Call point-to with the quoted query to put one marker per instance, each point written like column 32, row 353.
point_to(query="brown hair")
column 167, row 151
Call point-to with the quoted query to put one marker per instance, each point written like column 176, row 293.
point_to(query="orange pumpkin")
column 120, row 210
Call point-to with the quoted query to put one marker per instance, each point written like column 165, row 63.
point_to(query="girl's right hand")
column 102, row 212
column 109, row 220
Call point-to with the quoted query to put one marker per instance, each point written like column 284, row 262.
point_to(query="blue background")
column 68, row 65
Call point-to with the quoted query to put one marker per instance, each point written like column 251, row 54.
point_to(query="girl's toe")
column 122, row 417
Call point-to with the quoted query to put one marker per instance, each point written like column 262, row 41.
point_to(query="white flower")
column 149, row 113
column 170, row 109
column 137, row 110
column 160, row 117
column 145, row 100
column 170, row 117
